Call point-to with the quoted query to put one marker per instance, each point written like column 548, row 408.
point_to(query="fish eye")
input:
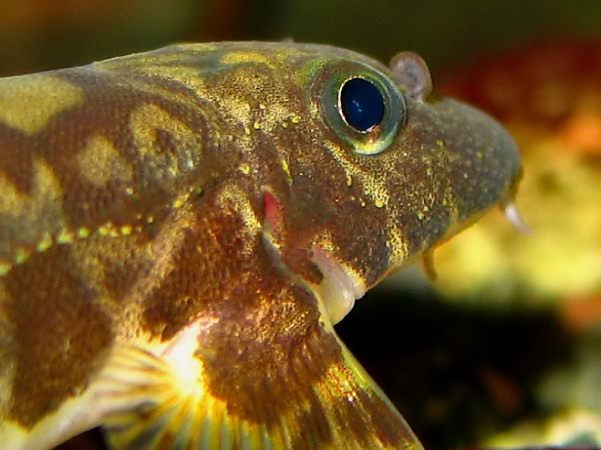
column 363, row 106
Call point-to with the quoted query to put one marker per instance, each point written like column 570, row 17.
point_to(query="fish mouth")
column 340, row 286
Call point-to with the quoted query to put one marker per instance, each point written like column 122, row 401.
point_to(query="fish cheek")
column 59, row 333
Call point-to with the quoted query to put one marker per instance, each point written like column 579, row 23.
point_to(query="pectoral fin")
column 318, row 397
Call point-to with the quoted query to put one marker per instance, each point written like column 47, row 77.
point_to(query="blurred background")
column 505, row 348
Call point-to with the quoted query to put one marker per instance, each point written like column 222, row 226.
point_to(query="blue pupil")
column 362, row 104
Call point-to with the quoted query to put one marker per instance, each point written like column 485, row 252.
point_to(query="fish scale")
column 181, row 229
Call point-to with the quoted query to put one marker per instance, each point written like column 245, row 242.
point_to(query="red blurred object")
column 547, row 83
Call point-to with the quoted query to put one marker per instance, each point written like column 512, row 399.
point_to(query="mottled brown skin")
column 133, row 205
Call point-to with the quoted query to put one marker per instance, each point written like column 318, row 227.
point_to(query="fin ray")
column 154, row 409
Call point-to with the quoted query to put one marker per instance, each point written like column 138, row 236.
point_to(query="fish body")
column 180, row 229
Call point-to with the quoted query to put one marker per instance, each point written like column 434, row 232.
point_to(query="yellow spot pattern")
column 373, row 186
column 100, row 162
column 245, row 57
column 49, row 94
column 145, row 121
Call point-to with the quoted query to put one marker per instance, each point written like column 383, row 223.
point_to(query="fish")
column 181, row 229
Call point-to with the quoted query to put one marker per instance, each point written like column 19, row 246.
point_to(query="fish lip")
column 340, row 286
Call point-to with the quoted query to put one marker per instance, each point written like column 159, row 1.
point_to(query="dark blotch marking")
column 60, row 334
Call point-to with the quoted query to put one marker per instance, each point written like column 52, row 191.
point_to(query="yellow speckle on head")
column 244, row 168
column 100, row 162
column 397, row 244
column 374, row 186
column 83, row 233
column 238, row 109
column 286, row 169
column 29, row 103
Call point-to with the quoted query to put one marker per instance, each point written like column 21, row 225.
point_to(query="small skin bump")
column 126, row 230
column 111, row 230
column 65, row 237
column 103, row 230
column 83, row 233
column 21, row 255
column 178, row 202
column 5, row 267
column 45, row 243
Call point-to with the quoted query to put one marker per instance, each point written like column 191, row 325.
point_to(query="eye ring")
column 383, row 107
